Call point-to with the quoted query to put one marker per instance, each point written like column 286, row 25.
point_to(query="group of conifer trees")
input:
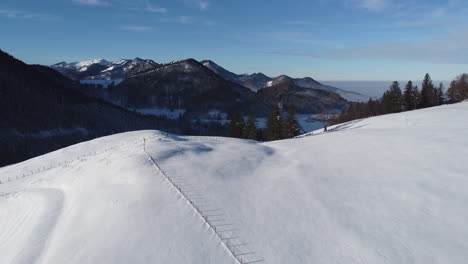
column 395, row 101
column 278, row 126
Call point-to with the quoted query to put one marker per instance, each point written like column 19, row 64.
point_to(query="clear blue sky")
column 324, row 39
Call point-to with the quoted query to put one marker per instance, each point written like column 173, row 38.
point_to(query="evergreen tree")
column 393, row 99
column 427, row 92
column 416, row 97
column 236, row 126
column 250, row 131
column 452, row 93
column 274, row 121
column 458, row 90
column 462, row 84
column 409, row 102
column 291, row 127
column 372, row 108
column 440, row 98
column 410, row 97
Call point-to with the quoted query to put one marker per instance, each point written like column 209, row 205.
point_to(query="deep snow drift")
column 390, row 189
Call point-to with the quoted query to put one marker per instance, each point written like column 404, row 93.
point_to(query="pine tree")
column 291, row 127
column 463, row 86
column 427, row 92
column 408, row 97
column 393, row 99
column 452, row 93
column 458, row 90
column 397, row 97
column 250, row 131
column 274, row 121
column 416, row 97
column 236, row 126
column 440, row 98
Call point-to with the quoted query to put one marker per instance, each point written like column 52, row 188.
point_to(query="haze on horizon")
column 331, row 40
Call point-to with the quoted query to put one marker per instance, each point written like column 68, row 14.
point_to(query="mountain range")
column 42, row 110
column 77, row 110
column 104, row 72
column 259, row 81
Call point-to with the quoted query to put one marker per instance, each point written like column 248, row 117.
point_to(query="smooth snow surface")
column 390, row 189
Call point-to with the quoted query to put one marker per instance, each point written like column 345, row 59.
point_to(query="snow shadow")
column 181, row 150
column 347, row 126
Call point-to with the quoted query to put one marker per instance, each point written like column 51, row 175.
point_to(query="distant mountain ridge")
column 259, row 81
column 200, row 87
column 185, row 84
column 287, row 92
column 42, row 110
column 104, row 70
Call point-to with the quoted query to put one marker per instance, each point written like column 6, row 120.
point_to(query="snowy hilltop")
column 389, row 189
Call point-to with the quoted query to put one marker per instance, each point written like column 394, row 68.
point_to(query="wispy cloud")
column 438, row 12
column 300, row 38
column 209, row 23
column 9, row 13
column 203, row 5
column 372, row 5
column 156, row 9
column 300, row 22
column 152, row 9
column 136, row 28
column 449, row 49
column 26, row 15
column 184, row 20
column 91, row 2
column 179, row 19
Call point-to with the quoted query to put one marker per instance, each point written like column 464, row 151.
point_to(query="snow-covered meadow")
column 389, row 189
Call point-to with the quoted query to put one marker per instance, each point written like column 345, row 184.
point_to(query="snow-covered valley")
column 389, row 189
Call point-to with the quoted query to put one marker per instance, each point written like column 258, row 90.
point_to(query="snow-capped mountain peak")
column 92, row 62
column 101, row 69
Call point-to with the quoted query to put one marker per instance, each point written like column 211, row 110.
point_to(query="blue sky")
column 324, row 39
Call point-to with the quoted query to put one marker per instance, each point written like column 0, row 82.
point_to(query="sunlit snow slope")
column 390, row 189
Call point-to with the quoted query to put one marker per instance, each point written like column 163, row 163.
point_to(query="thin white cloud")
column 9, row 13
column 209, row 23
column 449, row 49
column 372, row 5
column 91, row 2
column 179, row 19
column 300, row 22
column 156, row 9
column 438, row 12
column 300, row 38
column 26, row 15
column 150, row 8
column 184, row 20
column 203, row 5
column 136, row 28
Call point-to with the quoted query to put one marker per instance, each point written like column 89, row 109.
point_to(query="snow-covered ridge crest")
column 91, row 62
column 101, row 69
